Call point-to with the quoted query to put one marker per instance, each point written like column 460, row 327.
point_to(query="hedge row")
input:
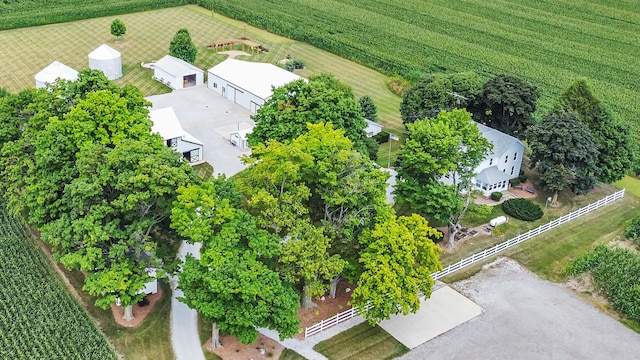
column 523, row 209
column 24, row 13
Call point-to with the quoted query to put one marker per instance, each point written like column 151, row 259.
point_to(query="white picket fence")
column 348, row 314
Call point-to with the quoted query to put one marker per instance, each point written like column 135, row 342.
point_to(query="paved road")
column 527, row 318
column 184, row 321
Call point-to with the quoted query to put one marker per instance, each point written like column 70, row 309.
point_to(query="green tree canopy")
column 118, row 28
column 436, row 92
column 182, row 47
column 369, row 108
column 611, row 136
column 232, row 283
column 563, row 152
column 399, row 258
column 284, row 116
column 509, row 102
column 436, row 165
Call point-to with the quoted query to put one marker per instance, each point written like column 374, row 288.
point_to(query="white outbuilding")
column 166, row 123
column 108, row 60
column 55, row 70
column 177, row 73
column 246, row 83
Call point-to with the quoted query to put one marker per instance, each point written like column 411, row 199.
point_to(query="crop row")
column 550, row 49
column 39, row 318
column 17, row 14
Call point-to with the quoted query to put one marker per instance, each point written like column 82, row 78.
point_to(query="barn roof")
column 176, row 67
column 165, row 123
column 56, row 70
column 256, row 78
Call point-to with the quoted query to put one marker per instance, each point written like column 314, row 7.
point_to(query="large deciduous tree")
column 563, row 152
column 509, row 102
column 182, row 47
column 611, row 136
column 436, row 165
column 436, row 92
column 399, row 257
column 284, row 116
column 88, row 174
column 233, row 284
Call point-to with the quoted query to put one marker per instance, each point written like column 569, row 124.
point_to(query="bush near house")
column 615, row 271
column 496, row 196
column 523, row 209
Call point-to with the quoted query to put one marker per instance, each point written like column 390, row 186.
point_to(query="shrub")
column 289, row 66
column 522, row 178
column 118, row 28
column 523, row 209
column 496, row 196
column 515, row 181
column 381, row 137
column 439, row 239
column 632, row 230
column 298, row 64
column 398, row 85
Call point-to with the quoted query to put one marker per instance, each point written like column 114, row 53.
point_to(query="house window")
column 503, row 170
column 215, row 85
column 515, row 155
column 512, row 168
column 506, row 158
column 172, row 143
column 490, row 161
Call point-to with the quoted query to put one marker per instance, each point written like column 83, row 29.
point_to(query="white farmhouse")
column 501, row 165
column 165, row 123
column 177, row 73
column 248, row 84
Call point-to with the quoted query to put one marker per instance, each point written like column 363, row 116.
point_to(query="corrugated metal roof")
column 256, row 78
column 176, row 67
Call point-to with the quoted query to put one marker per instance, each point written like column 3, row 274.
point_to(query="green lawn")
column 26, row 51
column 361, row 342
column 631, row 184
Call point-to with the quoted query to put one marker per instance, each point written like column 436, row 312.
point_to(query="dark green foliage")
column 118, row 28
column 436, row 92
column 617, row 273
column 508, row 103
column 612, row 137
column 563, row 152
column 381, row 137
column 522, row 178
column 369, row 108
column 25, row 13
column 632, row 230
column 182, row 47
column 496, row 196
column 298, row 64
column 523, row 209
column 515, row 181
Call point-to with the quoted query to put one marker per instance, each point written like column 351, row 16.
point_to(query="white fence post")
column 348, row 314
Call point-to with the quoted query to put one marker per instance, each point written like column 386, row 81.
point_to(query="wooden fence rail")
column 480, row 256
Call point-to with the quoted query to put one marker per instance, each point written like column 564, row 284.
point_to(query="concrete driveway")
column 209, row 118
column 527, row 318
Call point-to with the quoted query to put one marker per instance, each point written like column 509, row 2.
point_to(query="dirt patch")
column 326, row 308
column 234, row 53
column 139, row 312
column 233, row 349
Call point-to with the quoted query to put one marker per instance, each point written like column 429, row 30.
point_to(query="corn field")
column 39, row 318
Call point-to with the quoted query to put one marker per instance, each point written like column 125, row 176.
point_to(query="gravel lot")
column 529, row 318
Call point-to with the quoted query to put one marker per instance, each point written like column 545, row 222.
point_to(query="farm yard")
column 39, row 318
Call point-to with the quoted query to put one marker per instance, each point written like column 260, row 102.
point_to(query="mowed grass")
column 631, row 184
column 26, row 51
column 361, row 342
column 549, row 253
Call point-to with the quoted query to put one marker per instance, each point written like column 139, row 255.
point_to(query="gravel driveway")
column 529, row 318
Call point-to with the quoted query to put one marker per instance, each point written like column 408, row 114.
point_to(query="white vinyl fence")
column 346, row 315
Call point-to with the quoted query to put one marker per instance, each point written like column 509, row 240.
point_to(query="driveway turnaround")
column 210, row 118
column 527, row 318
column 443, row 311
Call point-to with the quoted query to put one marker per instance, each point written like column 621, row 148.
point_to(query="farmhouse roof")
column 56, row 70
column 175, row 66
column 256, row 78
column 104, row 52
column 501, row 141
